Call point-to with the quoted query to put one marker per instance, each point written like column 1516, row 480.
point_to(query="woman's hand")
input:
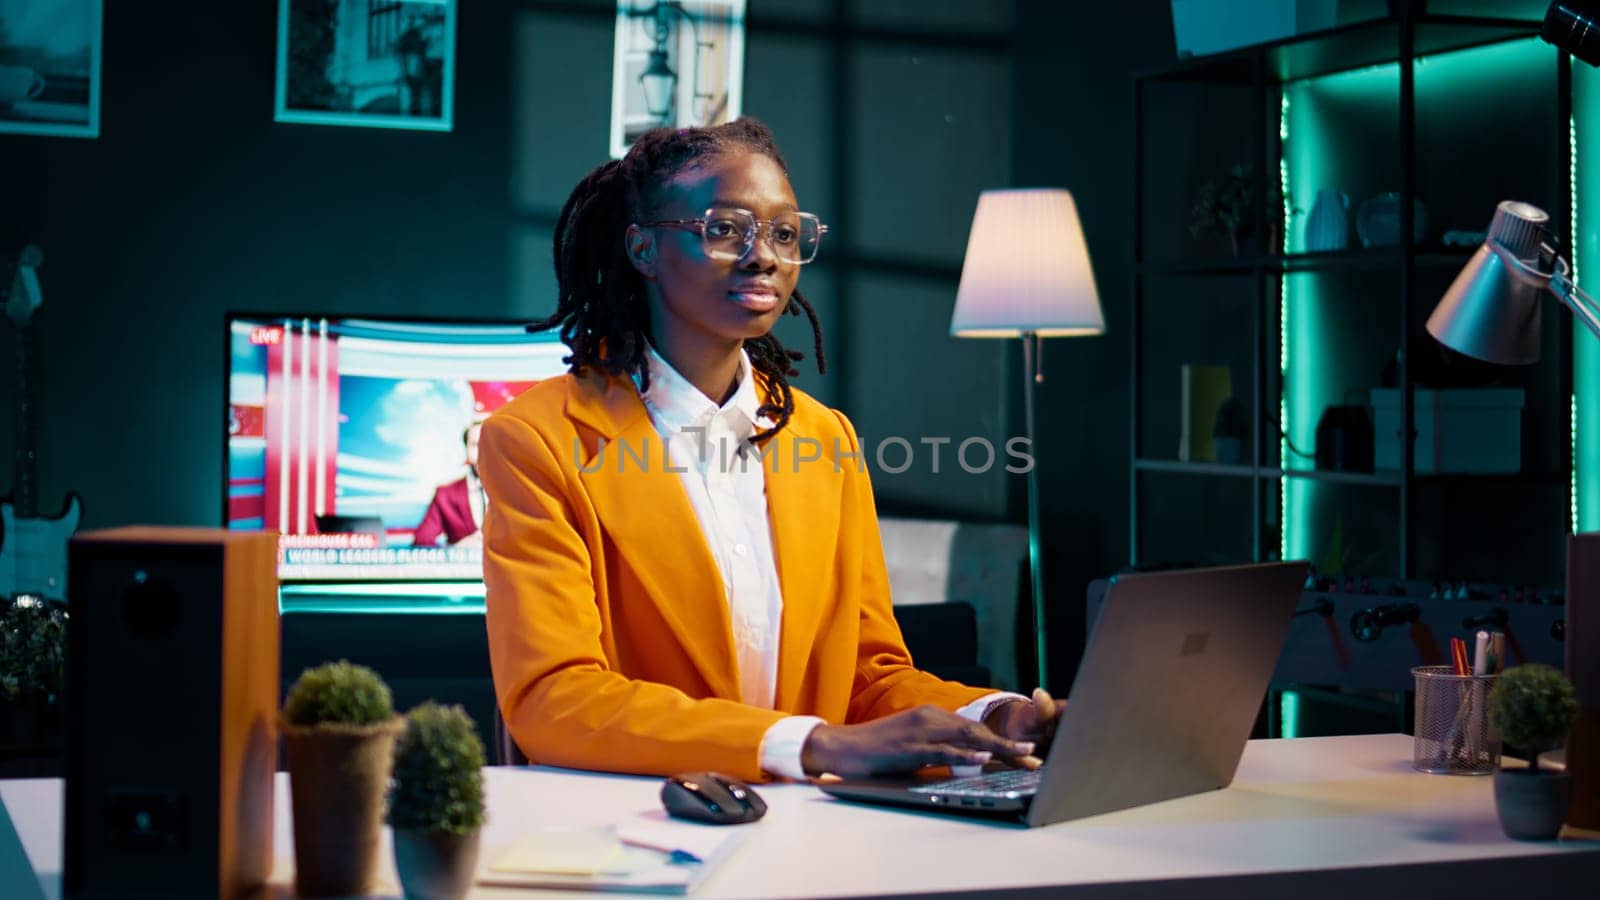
column 1023, row 720
column 905, row 742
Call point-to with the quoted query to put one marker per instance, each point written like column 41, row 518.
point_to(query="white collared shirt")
column 729, row 497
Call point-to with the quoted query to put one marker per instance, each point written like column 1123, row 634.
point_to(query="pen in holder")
column 1453, row 736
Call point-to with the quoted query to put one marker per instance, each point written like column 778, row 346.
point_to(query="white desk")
column 1320, row 817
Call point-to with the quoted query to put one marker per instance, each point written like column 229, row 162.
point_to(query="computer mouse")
column 711, row 797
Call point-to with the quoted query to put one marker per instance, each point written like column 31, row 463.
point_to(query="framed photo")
column 50, row 67
column 377, row 63
column 676, row 63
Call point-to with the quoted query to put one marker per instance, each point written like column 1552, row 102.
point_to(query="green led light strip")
column 1289, row 714
column 1584, row 134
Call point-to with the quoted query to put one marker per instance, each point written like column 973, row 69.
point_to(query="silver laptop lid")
column 1168, row 688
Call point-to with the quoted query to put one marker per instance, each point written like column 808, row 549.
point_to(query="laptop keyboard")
column 1002, row 783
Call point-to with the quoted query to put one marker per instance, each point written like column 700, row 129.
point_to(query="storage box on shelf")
column 1474, row 431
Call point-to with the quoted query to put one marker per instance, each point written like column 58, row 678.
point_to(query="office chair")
column 506, row 751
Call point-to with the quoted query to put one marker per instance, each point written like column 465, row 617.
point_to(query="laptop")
column 1165, row 699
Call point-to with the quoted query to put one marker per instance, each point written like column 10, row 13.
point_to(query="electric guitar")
column 33, row 550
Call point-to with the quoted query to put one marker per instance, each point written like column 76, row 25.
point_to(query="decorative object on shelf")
column 675, row 63
column 1474, row 431
column 340, row 727
column 1225, row 206
column 1202, row 27
column 1328, row 225
column 436, row 802
column 1532, row 707
column 1378, row 221
column 1230, row 432
column 1344, row 440
column 1201, row 392
column 382, row 65
column 1035, row 232
column 50, row 80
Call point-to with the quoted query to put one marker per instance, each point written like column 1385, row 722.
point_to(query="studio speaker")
column 1583, row 667
column 172, row 698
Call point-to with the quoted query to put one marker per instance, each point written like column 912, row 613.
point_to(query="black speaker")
column 172, row 692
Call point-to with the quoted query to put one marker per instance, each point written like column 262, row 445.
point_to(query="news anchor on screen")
column 456, row 511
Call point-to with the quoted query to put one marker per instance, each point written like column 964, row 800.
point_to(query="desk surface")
column 1349, row 808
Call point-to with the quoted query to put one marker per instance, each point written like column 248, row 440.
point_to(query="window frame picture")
column 700, row 42
column 47, row 93
column 414, row 67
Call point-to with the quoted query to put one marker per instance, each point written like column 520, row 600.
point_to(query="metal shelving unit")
column 1407, row 32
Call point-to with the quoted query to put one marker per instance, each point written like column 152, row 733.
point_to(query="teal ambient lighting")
column 1289, row 714
column 1316, row 118
column 432, row 598
column 1585, row 137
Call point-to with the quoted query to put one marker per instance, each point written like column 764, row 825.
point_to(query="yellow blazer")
column 609, row 631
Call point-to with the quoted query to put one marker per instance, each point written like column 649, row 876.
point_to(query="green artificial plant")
column 1533, row 707
column 341, row 693
column 437, row 785
column 33, row 650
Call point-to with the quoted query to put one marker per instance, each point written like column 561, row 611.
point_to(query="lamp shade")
column 1026, row 269
column 1491, row 311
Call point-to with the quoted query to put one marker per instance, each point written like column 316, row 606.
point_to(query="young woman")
column 681, row 552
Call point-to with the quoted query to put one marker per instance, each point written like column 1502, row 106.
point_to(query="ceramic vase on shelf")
column 1328, row 225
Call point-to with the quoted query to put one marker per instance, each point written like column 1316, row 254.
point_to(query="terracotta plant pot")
column 337, row 778
column 1532, row 805
column 435, row 865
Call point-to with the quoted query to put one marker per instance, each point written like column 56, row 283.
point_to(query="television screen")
column 351, row 438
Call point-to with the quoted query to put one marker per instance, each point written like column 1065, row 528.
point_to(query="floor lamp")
column 1027, row 274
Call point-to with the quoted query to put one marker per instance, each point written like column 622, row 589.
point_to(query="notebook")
column 621, row 858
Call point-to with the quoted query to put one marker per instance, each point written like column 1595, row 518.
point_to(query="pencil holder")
column 1453, row 736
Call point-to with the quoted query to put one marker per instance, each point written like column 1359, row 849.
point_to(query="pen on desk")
column 677, row 855
column 1480, row 654
column 1497, row 642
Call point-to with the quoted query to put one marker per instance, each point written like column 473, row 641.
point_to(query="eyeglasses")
column 729, row 233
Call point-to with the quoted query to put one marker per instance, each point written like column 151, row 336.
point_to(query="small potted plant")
column 436, row 802
column 1532, row 707
column 340, row 727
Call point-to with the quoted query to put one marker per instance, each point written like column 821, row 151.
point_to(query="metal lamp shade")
column 1490, row 312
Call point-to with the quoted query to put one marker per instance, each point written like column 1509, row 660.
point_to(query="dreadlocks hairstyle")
column 601, row 307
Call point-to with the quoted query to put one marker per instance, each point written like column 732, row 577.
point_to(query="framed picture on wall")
column 50, row 67
column 676, row 63
column 377, row 63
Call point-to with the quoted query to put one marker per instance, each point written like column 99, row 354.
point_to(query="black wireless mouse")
column 710, row 797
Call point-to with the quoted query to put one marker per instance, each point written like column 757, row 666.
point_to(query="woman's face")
column 701, row 299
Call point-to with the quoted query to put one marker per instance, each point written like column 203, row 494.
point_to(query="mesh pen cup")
column 1452, row 734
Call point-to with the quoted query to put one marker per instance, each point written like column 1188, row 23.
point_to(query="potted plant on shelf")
column 1532, row 707
column 340, row 727
column 436, row 802
column 1223, row 206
